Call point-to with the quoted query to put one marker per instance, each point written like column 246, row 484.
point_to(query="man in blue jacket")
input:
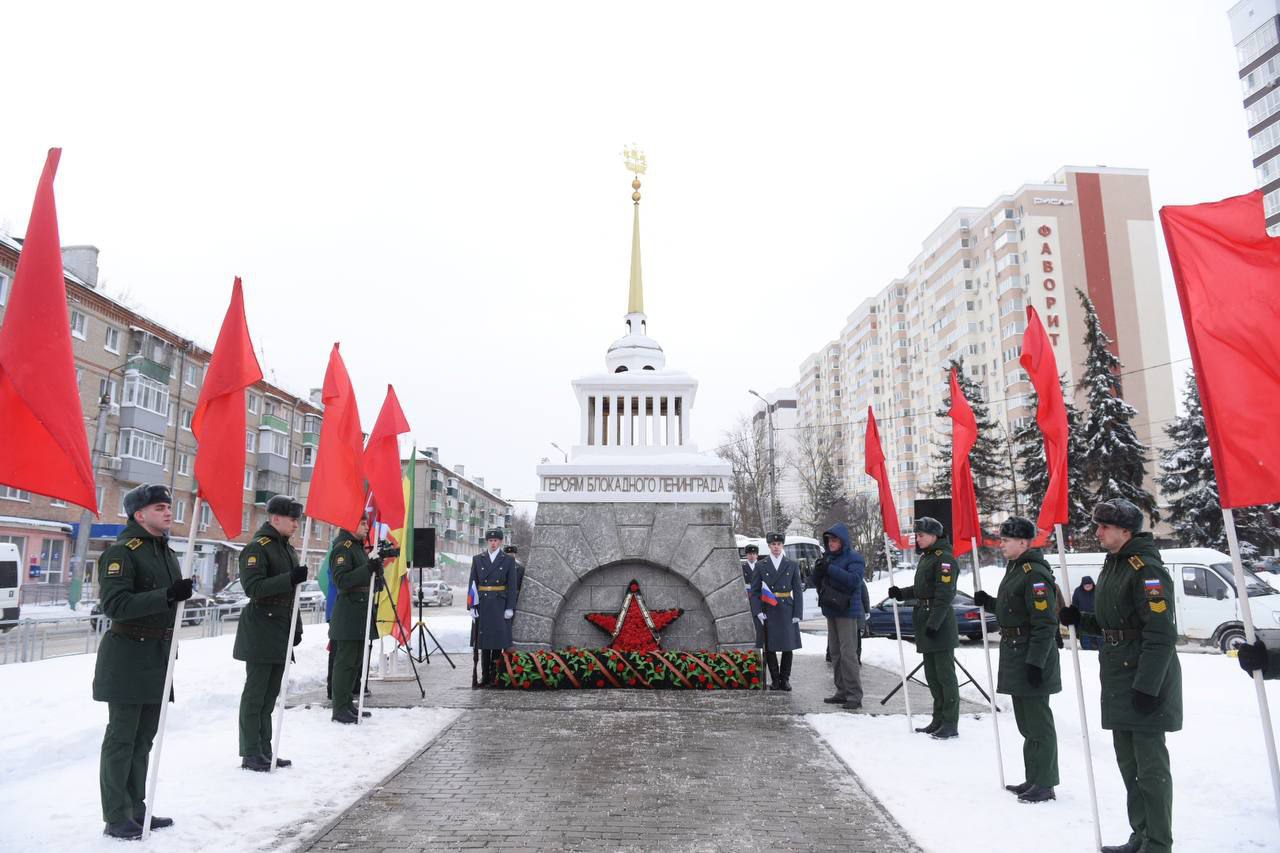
column 840, row 582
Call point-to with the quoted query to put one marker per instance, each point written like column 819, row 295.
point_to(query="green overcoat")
column 935, row 589
column 265, row 567
column 134, row 578
column 349, row 567
column 1134, row 593
column 1027, row 604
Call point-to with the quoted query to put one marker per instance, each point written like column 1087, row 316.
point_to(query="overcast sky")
column 442, row 191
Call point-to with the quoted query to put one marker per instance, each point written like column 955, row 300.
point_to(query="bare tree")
column 744, row 448
column 811, row 459
column 522, row 533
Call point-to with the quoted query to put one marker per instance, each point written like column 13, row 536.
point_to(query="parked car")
column 1268, row 564
column 311, row 597
column 880, row 620
column 231, row 600
column 434, row 592
column 197, row 607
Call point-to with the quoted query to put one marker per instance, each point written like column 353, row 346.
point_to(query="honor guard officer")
column 1141, row 679
column 269, row 572
column 1026, row 606
column 353, row 572
column 140, row 584
column 497, row 581
column 777, row 600
column 934, row 625
column 752, row 553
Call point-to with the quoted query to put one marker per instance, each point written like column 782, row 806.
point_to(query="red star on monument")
column 635, row 627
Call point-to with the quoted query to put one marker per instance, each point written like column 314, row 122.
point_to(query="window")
column 79, row 325
column 250, row 441
column 101, row 493
column 270, row 407
column 107, row 388
column 4, row 287
column 1268, row 171
column 1264, row 107
column 308, row 455
column 204, row 516
column 186, row 419
column 1265, row 139
column 248, row 479
column 251, row 400
column 246, row 519
column 111, row 342
column 51, row 560
column 184, row 463
column 172, row 412
column 137, row 444
column 189, row 375
column 180, row 512
column 297, row 422
column 56, row 502
column 1202, row 583
column 145, row 393
column 1256, row 43
column 19, row 541
column 12, row 494
column 275, row 443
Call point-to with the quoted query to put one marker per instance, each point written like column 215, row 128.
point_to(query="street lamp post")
column 562, row 450
column 773, row 475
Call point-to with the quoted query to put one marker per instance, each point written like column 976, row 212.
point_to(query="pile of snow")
column 1222, row 790
column 49, row 756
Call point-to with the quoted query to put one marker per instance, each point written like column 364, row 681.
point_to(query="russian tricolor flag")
column 767, row 596
column 473, row 596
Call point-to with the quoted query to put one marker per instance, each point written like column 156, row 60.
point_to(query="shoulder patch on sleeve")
column 264, row 540
column 346, row 543
column 252, row 561
column 340, row 560
column 133, row 544
column 1026, row 568
column 945, row 573
column 113, row 569
column 1136, row 562
column 1158, row 606
column 938, row 553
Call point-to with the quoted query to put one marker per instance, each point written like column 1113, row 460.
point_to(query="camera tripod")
column 404, row 631
column 911, row 677
column 421, row 632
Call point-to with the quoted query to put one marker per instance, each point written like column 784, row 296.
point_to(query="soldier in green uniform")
column 934, row 623
column 269, row 573
column 140, row 583
column 352, row 570
column 1258, row 657
column 1141, row 678
column 1026, row 606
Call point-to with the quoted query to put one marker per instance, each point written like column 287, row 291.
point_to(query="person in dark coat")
column 497, row 582
column 840, row 597
column 752, row 554
column 270, row 574
column 777, row 577
column 140, row 585
column 1082, row 600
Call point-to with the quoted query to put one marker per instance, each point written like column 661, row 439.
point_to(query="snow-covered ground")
column 1222, row 790
column 49, row 796
column 45, row 612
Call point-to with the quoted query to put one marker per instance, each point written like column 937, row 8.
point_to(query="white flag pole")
column 278, row 714
column 986, row 652
column 153, row 772
column 1246, row 616
column 897, row 627
column 1084, row 719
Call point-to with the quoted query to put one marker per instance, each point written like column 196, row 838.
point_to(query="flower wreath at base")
column 598, row 669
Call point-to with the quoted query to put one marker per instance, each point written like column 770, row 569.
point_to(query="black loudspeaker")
column 424, row 548
column 938, row 508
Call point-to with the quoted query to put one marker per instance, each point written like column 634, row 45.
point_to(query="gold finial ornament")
column 635, row 162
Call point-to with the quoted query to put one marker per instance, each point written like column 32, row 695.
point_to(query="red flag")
column 43, row 444
column 220, row 450
column 337, row 484
column 964, row 501
column 382, row 461
column 876, row 468
column 404, row 617
column 1038, row 361
column 1227, row 271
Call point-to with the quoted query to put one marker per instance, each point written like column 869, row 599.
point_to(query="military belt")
column 141, row 632
column 782, row 595
column 1116, row 636
column 1016, row 631
column 364, row 588
column 502, row 588
column 268, row 600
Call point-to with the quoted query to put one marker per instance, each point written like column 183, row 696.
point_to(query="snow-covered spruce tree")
column 1188, row 480
column 988, row 460
column 826, row 496
column 1114, row 460
column 1033, row 472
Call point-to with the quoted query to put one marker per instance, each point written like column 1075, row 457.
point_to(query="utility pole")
column 773, row 471
column 86, row 517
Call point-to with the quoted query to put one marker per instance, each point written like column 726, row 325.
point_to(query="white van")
column 10, row 578
column 1204, row 593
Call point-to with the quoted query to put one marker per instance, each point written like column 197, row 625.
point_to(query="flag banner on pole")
column 766, row 595
column 473, row 596
column 337, row 493
column 964, row 500
column 1038, row 361
column 44, row 447
column 382, row 462
column 218, row 423
column 1227, row 272
column 393, row 601
column 876, row 467
column 325, row 578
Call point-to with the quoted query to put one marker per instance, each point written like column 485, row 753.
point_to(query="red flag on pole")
column 43, row 444
column 337, row 484
column 964, row 500
column 220, row 450
column 1038, row 361
column 382, row 461
column 874, row 454
column 1227, row 271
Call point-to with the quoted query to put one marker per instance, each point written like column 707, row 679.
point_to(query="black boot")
column 1127, row 847
column 1037, row 794
column 345, row 716
column 783, row 684
column 945, row 731
column 128, row 829
column 835, row 700
column 929, row 729
column 256, row 763
column 280, row 762
column 1018, row 789
column 156, row 822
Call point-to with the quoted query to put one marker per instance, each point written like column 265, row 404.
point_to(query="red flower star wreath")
column 635, row 627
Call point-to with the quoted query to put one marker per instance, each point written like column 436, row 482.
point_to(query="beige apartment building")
column 1255, row 30
column 461, row 509
column 966, row 293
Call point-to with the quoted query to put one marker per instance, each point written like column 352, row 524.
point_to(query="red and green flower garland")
column 595, row 669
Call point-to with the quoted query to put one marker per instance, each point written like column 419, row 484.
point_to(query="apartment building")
column 1255, row 30
column 965, row 295
column 148, row 377
column 461, row 509
column 781, row 414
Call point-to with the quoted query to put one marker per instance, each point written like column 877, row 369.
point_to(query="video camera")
column 387, row 550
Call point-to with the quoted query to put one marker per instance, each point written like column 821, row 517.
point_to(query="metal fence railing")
column 23, row 640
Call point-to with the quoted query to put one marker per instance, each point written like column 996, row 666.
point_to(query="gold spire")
column 635, row 162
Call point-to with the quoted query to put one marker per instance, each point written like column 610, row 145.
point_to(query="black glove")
column 1069, row 615
column 180, row 590
column 896, row 594
column 1144, row 703
column 1252, row 657
column 983, row 600
column 1035, row 675
column 375, row 566
column 1057, row 638
column 298, row 575
column 931, row 632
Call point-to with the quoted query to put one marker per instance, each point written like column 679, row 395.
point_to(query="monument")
column 635, row 505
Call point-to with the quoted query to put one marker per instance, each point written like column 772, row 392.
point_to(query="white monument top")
column 635, row 418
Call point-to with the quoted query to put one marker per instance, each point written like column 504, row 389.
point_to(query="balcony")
column 149, row 368
column 261, row 496
column 275, row 423
column 311, row 438
column 451, row 492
